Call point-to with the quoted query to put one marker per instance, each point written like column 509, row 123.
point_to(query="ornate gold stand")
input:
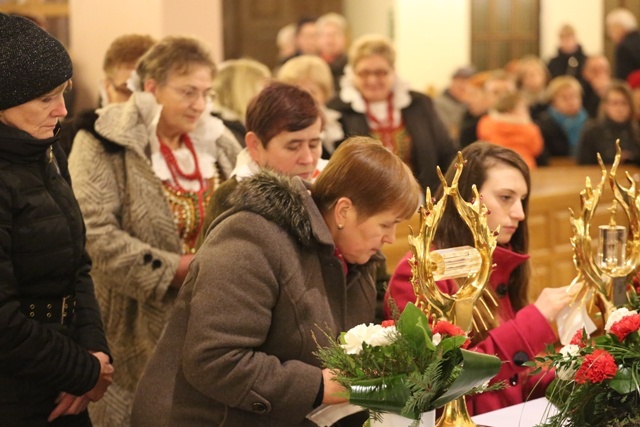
column 595, row 280
column 457, row 308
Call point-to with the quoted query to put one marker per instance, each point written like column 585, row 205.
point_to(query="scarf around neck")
column 571, row 125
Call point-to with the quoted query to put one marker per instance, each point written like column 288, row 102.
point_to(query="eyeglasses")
column 378, row 74
column 191, row 95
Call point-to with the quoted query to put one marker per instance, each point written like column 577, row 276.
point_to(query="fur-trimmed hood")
column 280, row 199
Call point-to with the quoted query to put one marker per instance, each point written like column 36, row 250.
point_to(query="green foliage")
column 412, row 374
column 585, row 397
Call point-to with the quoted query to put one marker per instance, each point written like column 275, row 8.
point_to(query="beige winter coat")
column 131, row 237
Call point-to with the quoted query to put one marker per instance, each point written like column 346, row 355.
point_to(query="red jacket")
column 520, row 336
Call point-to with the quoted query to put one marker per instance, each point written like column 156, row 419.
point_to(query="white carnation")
column 568, row 352
column 616, row 316
column 381, row 336
column 374, row 335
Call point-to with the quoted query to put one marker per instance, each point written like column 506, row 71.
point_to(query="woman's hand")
column 181, row 272
column 552, row 300
column 331, row 389
column 104, row 380
column 68, row 404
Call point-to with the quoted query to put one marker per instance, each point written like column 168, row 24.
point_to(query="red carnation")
column 596, row 367
column 625, row 326
column 578, row 339
column 443, row 327
column 387, row 323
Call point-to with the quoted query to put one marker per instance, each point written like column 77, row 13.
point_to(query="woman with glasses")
column 143, row 177
column 373, row 101
column 54, row 357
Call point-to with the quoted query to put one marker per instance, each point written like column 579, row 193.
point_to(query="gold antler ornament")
column 457, row 308
column 598, row 277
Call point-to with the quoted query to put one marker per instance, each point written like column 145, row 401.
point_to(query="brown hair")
column 126, row 50
column 371, row 176
column 174, row 54
column 508, row 102
column 280, row 107
column 452, row 230
column 622, row 88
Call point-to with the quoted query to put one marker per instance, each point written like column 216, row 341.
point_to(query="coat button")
column 520, row 357
column 501, row 290
column 513, row 381
column 260, row 408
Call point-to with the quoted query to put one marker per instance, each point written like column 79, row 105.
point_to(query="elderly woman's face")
column 374, row 78
column 183, row 98
column 361, row 238
column 40, row 116
column 568, row 100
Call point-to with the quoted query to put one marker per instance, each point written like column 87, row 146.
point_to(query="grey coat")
column 238, row 349
column 132, row 239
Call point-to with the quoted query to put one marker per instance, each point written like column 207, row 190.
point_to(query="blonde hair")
column 370, row 45
column 559, row 83
column 174, row 54
column 126, row 50
column 308, row 67
column 333, row 18
column 237, row 82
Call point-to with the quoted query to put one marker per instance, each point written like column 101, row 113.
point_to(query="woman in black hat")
column 54, row 357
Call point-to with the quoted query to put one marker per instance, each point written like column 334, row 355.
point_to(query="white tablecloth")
column 526, row 414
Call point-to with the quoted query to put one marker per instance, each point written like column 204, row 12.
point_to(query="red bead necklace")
column 387, row 130
column 172, row 163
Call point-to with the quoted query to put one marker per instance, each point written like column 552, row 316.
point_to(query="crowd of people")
column 174, row 256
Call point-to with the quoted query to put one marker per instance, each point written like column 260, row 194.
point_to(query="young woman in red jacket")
column 516, row 331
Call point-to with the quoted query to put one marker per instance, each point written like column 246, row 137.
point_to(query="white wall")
column 586, row 16
column 95, row 23
column 432, row 39
column 369, row 16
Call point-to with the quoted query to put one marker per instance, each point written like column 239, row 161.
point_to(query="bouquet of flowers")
column 407, row 367
column 598, row 380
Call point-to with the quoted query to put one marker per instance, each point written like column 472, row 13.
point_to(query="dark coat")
column 431, row 144
column 600, row 137
column 42, row 260
column 238, row 348
column 570, row 64
column 556, row 141
column 469, row 129
column 628, row 55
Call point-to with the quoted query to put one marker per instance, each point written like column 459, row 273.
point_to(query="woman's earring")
column 340, row 226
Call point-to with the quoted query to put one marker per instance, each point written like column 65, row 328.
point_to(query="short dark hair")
column 280, row 107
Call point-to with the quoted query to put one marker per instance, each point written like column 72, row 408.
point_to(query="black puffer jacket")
column 42, row 258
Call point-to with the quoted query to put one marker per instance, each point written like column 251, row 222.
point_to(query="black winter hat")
column 32, row 61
